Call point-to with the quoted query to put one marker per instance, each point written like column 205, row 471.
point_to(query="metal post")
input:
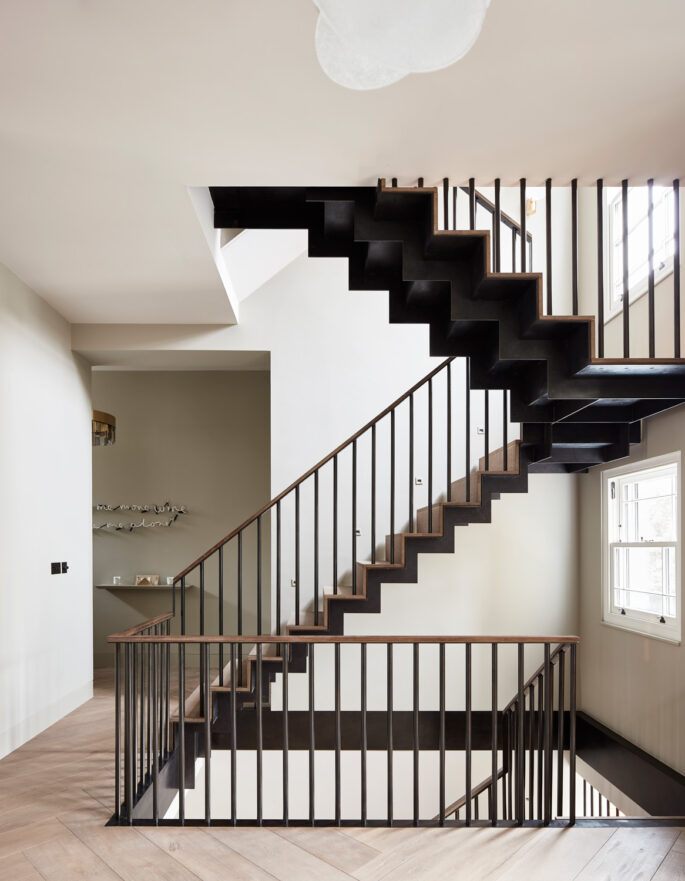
column 493, row 736
column 626, row 274
column 467, row 653
column 548, row 242
column 600, row 268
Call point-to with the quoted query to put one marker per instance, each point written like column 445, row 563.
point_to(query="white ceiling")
column 110, row 110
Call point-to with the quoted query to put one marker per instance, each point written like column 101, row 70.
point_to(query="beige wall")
column 45, row 620
column 200, row 439
column 633, row 684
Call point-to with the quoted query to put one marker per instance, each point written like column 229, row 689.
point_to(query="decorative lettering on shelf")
column 166, row 507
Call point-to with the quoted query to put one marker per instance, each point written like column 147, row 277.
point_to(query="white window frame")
column 639, row 622
column 613, row 307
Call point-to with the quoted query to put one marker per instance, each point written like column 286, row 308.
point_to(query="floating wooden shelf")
column 139, row 586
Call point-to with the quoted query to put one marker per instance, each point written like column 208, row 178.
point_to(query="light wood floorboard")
column 56, row 794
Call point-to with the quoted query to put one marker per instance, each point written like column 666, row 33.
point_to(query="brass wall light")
column 104, row 429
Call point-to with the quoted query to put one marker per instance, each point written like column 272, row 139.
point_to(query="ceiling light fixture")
column 368, row 44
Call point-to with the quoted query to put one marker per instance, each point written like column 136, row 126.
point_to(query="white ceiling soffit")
column 245, row 259
column 155, row 359
column 111, row 110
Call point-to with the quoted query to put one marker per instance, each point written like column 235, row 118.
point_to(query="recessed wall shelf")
column 139, row 587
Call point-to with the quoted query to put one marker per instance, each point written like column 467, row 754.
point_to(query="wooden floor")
column 56, row 795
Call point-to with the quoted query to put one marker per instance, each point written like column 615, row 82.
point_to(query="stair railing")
column 350, row 507
column 414, row 695
column 628, row 265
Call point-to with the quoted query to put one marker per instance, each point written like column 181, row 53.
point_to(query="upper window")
column 638, row 241
column 642, row 547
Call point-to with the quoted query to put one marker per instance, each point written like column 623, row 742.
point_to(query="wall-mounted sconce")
column 104, row 429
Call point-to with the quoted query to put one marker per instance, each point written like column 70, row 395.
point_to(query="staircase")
column 569, row 408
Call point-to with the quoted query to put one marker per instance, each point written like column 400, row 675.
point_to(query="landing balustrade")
column 353, row 730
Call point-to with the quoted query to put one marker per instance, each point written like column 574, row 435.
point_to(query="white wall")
column 45, row 480
column 633, row 684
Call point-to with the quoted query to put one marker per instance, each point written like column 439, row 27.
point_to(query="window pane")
column 648, row 510
column 644, row 580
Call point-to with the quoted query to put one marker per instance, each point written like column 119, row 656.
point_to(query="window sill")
column 673, row 637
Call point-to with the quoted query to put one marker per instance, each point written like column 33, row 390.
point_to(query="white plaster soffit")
column 245, row 259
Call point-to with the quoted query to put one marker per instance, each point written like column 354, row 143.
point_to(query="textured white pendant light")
column 367, row 44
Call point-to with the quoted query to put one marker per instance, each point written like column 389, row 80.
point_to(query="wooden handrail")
column 326, row 638
column 311, row 471
column 478, row 790
column 132, row 631
column 563, row 642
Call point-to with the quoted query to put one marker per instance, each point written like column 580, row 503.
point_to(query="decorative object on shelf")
column 170, row 580
column 147, row 580
column 368, row 44
column 165, row 507
column 104, row 429
column 116, row 579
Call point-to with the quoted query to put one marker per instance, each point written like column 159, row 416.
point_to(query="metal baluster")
column 312, row 741
column 430, row 455
column 467, row 653
column 626, row 275
column 411, row 463
column 316, row 547
column 141, row 729
column 392, row 486
column 467, row 436
column 513, row 249
column 572, row 737
column 394, row 182
column 148, row 711
column 373, row 493
column 449, row 432
column 498, row 228
column 472, row 203
column 531, row 752
column 155, row 735
column 183, row 606
column 354, row 516
column 285, row 651
column 420, row 183
column 560, row 734
column 117, row 731
column 585, row 798
column 548, row 242
column 363, row 733
column 510, row 763
column 129, row 745
column 676, row 268
column 442, row 732
column 297, row 554
column 221, row 614
column 493, row 736
column 234, row 736
column 539, row 740
column 522, row 190
column 415, row 739
column 181, row 733
column 574, row 244
column 208, row 740
column 240, row 610
column 389, row 704
column 278, row 568
column 520, row 745
column 445, row 202
column 167, row 691
column 549, row 712
column 486, row 406
column 259, row 575
column 338, row 736
column 335, row 523
column 650, row 265
column 260, row 734
column 505, row 431
column 454, row 206
column 600, row 268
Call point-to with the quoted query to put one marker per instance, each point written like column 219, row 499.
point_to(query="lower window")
column 641, row 547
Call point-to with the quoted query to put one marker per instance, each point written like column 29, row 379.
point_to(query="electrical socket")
column 480, row 430
column 418, row 481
